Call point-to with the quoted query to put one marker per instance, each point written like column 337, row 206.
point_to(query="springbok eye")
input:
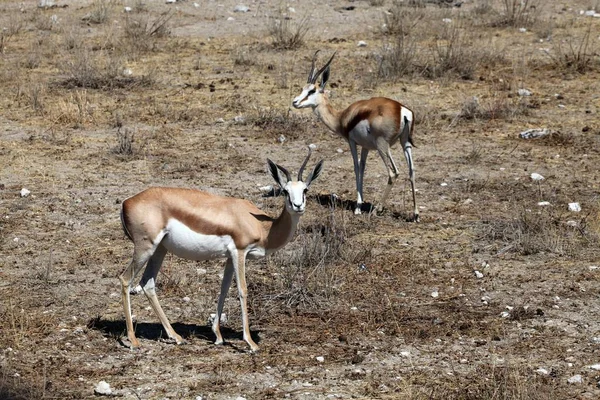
column 305, row 190
column 311, row 92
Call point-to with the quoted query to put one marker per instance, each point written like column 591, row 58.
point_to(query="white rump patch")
column 405, row 112
column 186, row 243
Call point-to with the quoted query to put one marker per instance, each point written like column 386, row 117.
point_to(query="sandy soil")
column 489, row 296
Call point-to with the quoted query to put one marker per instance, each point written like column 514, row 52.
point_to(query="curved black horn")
column 301, row 171
column 312, row 68
column 285, row 171
column 323, row 68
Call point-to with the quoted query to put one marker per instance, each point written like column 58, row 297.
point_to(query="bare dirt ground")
column 490, row 296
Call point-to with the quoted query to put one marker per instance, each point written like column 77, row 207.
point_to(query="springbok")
column 196, row 225
column 374, row 124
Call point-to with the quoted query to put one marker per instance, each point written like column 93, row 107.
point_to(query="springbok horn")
column 323, row 69
column 285, row 171
column 312, row 68
column 301, row 171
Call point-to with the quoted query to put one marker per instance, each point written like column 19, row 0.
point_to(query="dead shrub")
column 310, row 269
column 453, row 53
column 98, row 71
column 519, row 13
column 276, row 122
column 101, row 12
column 575, row 54
column 141, row 31
column 125, row 138
column 287, row 34
column 493, row 109
column 540, row 232
column 14, row 26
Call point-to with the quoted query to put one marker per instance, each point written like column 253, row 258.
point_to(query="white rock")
column 590, row 13
column 405, row 353
column 230, row 19
column 435, row 294
column 443, row 184
column 478, row 274
column 25, row 192
column 241, row 8
column 354, row 308
column 537, row 177
column 312, row 146
column 575, row 207
column 198, row 397
column 291, row 9
column 446, row 20
column 197, row 6
column 340, row 151
column 575, row 379
column 595, row 367
column 239, row 119
column 524, row 92
column 361, row 43
column 534, row 133
column 593, row 267
column 543, row 203
column 128, row 9
column 281, row 139
column 240, row 398
column 542, row 371
column 171, row 1
column 468, row 201
column 320, row 359
column 505, row 314
column 572, row 223
column 127, row 72
column 522, row 30
column 220, row 121
column 103, row 388
column 267, row 188
column 186, row 299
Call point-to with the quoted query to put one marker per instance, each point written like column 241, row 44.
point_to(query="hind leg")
column 148, row 283
column 140, row 258
column 383, row 148
column 411, row 174
column 225, row 285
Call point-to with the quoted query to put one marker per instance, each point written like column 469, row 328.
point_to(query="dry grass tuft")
column 287, row 34
column 540, row 232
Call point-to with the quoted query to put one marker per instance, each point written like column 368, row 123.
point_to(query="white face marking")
column 186, row 243
column 308, row 97
column 296, row 198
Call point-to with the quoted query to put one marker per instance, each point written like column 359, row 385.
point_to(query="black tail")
column 408, row 125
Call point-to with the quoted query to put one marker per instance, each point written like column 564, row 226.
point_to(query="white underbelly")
column 186, row 243
column 362, row 136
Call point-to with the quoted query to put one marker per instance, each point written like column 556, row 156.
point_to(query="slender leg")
column 148, row 284
column 239, row 265
column 384, row 152
column 363, row 163
column 225, row 285
column 411, row 174
column 358, row 176
column 140, row 257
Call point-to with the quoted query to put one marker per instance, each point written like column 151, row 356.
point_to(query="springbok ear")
column 324, row 78
column 278, row 173
column 315, row 173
